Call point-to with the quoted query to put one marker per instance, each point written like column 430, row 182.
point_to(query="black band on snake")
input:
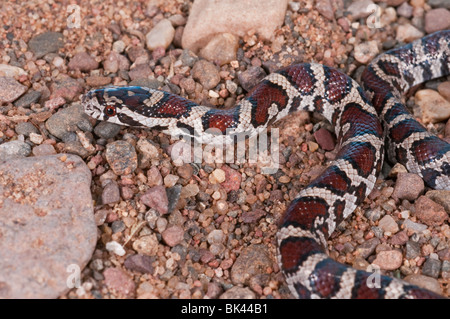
column 364, row 119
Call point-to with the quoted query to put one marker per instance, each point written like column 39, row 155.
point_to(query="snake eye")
column 110, row 110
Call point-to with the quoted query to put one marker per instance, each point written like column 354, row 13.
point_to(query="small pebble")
column 119, row 282
column 115, row 248
column 173, row 235
column 161, row 35
column 217, row 176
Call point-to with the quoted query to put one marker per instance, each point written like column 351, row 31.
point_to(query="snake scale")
column 365, row 118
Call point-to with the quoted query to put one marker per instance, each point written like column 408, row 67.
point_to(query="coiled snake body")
column 363, row 120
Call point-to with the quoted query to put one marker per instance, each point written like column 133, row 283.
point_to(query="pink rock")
column 437, row 19
column 156, row 197
column 154, row 177
column 389, row 259
column 10, row 89
column 66, row 87
column 408, row 186
column 429, row 212
column 111, row 193
column 252, row 216
column 173, row 235
column 232, row 179
column 53, row 104
column 444, row 254
column 324, row 139
column 83, row 62
column 325, row 8
column 119, row 282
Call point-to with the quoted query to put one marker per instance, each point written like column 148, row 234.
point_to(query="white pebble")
column 213, row 94
column 58, row 61
column 119, row 46
column 115, row 248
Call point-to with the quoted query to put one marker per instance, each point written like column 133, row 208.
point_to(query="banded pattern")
column 359, row 127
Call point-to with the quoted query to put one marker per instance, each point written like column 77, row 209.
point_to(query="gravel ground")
column 207, row 230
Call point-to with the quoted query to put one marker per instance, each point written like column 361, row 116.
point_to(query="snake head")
column 120, row 105
column 106, row 104
column 93, row 104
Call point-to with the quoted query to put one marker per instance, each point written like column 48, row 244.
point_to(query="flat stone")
column 367, row 248
column 67, row 120
column 121, row 157
column 424, row 282
column 416, row 227
column 444, row 254
column 431, row 268
column 25, row 128
column 399, row 239
column 66, row 87
column 107, row 130
column 405, row 10
column 437, row 19
column 83, row 61
column 252, row 216
column 325, row 8
column 209, row 18
column 95, row 81
column 14, row 149
column 11, row 71
column 140, row 71
column 43, row 149
column 412, row 249
column 10, row 89
column 45, row 43
column 146, row 245
column 189, row 190
column 140, row 263
column 407, row 33
column 156, row 197
column 439, row 3
column 389, row 259
column 408, row 186
column 217, row 176
column 111, row 193
column 46, row 211
column 28, row 98
column 429, row 212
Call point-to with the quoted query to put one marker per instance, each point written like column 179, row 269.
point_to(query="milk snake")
column 363, row 119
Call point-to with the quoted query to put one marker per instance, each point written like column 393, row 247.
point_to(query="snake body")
column 364, row 119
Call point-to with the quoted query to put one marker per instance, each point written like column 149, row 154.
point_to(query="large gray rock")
column 47, row 225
